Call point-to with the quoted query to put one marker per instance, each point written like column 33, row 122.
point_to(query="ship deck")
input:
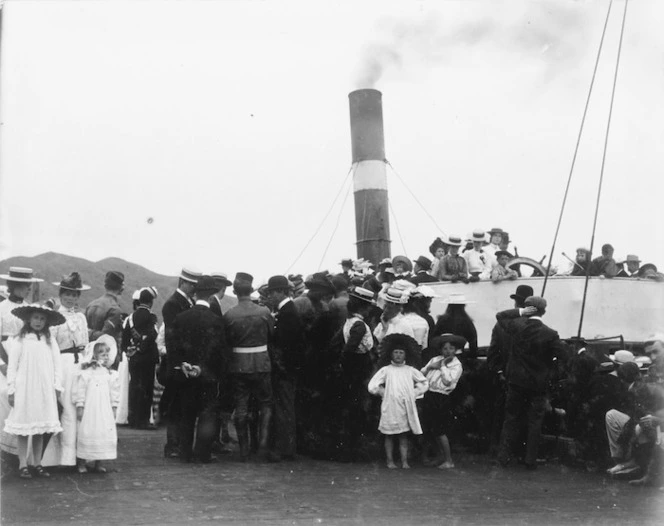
column 144, row 488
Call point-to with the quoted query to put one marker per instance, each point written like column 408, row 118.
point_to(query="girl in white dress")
column 398, row 384
column 71, row 337
column 19, row 284
column 33, row 379
column 96, row 395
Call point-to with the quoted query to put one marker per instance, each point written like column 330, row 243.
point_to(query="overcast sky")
column 216, row 133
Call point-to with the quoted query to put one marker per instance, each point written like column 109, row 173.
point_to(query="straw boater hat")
column 20, row 275
column 396, row 296
column 72, row 282
column 632, row 258
column 478, row 235
column 458, row 299
column 26, row 311
column 363, row 294
column 454, row 240
column 221, row 278
column 190, row 275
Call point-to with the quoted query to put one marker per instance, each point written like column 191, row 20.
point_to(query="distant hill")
column 51, row 266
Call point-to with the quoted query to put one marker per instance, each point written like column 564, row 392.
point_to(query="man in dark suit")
column 139, row 342
column 421, row 271
column 221, row 280
column 534, row 346
column 288, row 348
column 177, row 303
column 197, row 366
column 496, row 360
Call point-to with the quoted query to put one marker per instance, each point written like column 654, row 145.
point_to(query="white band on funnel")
column 369, row 175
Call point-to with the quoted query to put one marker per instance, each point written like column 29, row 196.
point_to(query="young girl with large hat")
column 33, row 379
column 19, row 284
column 71, row 337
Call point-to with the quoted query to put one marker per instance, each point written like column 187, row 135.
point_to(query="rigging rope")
column 394, row 216
column 576, row 149
column 601, row 174
column 335, row 226
column 321, row 223
column 414, row 197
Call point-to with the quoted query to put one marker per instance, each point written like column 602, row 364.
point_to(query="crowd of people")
column 318, row 366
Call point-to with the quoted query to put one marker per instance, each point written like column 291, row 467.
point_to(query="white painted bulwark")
column 369, row 175
column 620, row 306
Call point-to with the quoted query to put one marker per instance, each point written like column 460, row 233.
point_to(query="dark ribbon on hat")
column 20, row 275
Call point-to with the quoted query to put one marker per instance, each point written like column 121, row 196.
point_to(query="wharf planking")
column 144, row 488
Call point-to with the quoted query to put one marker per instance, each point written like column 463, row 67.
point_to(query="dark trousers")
column 170, row 406
column 247, row 384
column 197, row 417
column 141, row 388
column 284, row 386
column 523, row 408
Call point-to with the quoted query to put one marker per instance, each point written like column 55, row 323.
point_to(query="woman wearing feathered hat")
column 71, row 337
column 33, row 379
column 19, row 283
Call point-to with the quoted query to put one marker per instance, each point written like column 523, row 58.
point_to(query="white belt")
column 249, row 350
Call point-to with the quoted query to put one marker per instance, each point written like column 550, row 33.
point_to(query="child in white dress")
column 398, row 384
column 33, row 379
column 96, row 395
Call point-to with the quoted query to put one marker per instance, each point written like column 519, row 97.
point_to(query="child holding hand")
column 96, row 396
column 399, row 385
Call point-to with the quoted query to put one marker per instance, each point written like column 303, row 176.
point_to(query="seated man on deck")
column 633, row 264
column 500, row 271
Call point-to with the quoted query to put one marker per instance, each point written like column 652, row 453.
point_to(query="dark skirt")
column 437, row 417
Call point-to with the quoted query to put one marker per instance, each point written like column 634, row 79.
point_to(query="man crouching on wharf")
column 529, row 367
column 248, row 328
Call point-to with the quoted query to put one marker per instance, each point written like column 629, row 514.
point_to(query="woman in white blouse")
column 71, row 337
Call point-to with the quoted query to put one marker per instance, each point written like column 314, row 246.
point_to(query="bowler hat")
column 423, row 262
column 72, row 282
column 522, row 292
column 206, row 284
column 20, row 275
column 26, row 311
column 278, row 282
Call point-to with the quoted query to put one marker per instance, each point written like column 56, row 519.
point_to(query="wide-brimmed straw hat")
column 458, row 341
column 454, row 240
column 20, row 275
column 26, row 311
column 72, row 282
column 457, row 299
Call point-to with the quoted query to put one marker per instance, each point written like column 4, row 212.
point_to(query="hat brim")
column 7, row 277
column 82, row 288
column 189, row 279
column 458, row 341
column 517, row 297
column 108, row 340
column 223, row 282
column 456, row 302
column 366, row 300
column 25, row 312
